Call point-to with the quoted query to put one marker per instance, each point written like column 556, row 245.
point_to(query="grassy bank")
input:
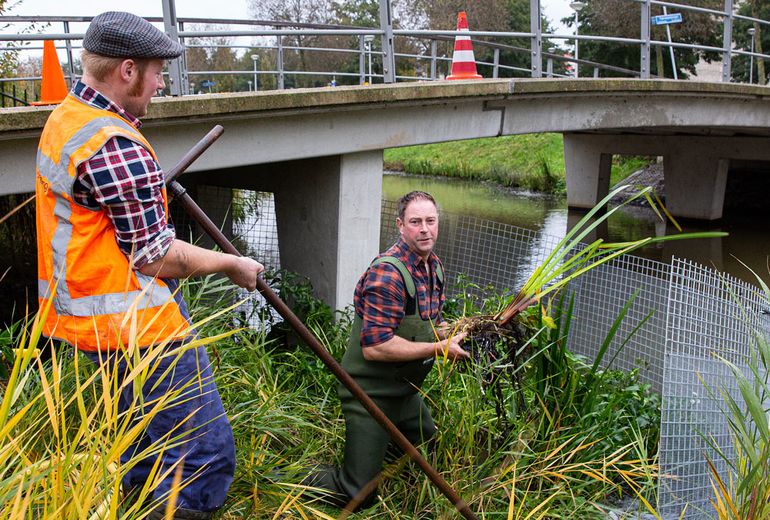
column 532, row 161
column 572, row 447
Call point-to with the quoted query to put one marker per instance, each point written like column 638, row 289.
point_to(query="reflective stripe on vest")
column 57, row 212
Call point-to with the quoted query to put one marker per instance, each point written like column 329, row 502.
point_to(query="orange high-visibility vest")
column 96, row 301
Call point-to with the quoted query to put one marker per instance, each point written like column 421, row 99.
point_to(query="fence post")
column 388, row 56
column 644, row 64
column 176, row 68
column 279, row 62
column 361, row 60
column 727, row 41
column 496, row 64
column 70, row 63
column 537, row 39
column 433, row 52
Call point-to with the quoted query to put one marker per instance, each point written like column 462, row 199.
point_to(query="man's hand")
column 244, row 272
column 451, row 347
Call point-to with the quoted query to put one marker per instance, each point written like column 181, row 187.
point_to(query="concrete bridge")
column 320, row 150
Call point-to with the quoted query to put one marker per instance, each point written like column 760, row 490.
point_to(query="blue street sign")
column 665, row 19
column 207, row 83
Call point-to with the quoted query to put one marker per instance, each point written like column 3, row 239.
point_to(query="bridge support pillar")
column 695, row 183
column 328, row 214
column 587, row 164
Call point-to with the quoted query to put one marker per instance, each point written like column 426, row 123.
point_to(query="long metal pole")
column 388, row 50
column 577, row 62
column 751, row 61
column 181, row 196
column 727, row 41
column 670, row 47
column 176, row 67
column 536, row 42
column 644, row 62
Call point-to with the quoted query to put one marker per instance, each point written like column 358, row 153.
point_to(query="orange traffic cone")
column 53, row 89
column 463, row 61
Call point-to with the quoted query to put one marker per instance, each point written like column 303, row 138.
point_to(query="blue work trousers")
column 198, row 420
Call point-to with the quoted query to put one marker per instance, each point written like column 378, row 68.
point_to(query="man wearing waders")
column 391, row 349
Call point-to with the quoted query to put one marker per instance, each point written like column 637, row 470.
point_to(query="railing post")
column 644, row 63
column 361, row 60
column 70, row 61
column 279, row 63
column 388, row 56
column 727, row 41
column 176, row 69
column 549, row 67
column 596, row 72
column 537, row 39
column 496, row 64
column 433, row 52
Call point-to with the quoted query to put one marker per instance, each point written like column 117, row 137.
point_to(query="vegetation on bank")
column 532, row 161
column 584, row 438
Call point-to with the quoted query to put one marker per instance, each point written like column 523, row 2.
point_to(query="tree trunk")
column 659, row 61
column 761, row 78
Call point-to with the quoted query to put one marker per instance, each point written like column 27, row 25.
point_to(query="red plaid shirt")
column 380, row 295
column 125, row 181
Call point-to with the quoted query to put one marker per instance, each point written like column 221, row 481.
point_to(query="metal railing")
column 379, row 64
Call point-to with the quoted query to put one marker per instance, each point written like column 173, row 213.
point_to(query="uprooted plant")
column 501, row 342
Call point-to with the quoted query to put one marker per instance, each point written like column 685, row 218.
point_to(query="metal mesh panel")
column 709, row 314
column 600, row 295
column 246, row 217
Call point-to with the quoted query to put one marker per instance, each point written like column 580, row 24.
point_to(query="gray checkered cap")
column 118, row 34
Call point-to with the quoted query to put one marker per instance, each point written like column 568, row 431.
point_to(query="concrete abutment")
column 695, row 168
column 327, row 212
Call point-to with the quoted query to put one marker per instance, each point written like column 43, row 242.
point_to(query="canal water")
column 748, row 241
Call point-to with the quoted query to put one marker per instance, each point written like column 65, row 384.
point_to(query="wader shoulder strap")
column 410, row 304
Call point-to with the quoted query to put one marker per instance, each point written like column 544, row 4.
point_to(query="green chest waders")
column 393, row 386
column 385, row 379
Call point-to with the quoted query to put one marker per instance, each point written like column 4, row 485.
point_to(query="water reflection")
column 749, row 241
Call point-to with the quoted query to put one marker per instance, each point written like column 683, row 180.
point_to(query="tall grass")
column 62, row 436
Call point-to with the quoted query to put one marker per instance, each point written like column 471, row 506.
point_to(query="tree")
column 299, row 12
column 621, row 18
column 740, row 64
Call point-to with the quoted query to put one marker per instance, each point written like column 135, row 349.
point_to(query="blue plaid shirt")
column 125, row 181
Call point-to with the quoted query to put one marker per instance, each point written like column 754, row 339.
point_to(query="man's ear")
column 128, row 69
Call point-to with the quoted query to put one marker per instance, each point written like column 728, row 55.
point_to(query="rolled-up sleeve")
column 124, row 179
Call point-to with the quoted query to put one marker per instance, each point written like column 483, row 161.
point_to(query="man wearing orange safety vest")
column 108, row 259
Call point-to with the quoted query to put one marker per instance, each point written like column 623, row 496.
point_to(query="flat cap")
column 118, row 34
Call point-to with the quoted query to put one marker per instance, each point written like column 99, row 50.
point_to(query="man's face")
column 419, row 228
column 144, row 85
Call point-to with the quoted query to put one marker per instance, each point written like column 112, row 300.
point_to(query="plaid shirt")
column 125, row 181
column 380, row 295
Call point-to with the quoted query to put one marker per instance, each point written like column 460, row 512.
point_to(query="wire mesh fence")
column 710, row 316
column 682, row 318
